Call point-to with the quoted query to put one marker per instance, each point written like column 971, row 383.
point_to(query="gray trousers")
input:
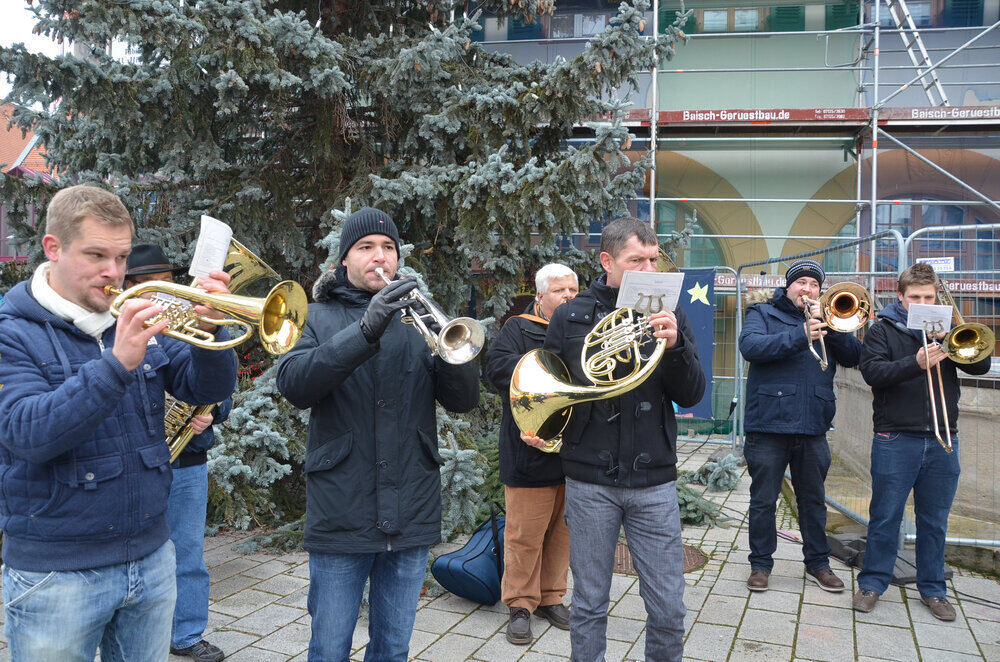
column 594, row 515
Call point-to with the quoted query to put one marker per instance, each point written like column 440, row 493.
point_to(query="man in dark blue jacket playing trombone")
column 84, row 467
column 789, row 407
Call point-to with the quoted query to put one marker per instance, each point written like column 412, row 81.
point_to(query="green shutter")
column 842, row 15
column 788, row 19
column 518, row 30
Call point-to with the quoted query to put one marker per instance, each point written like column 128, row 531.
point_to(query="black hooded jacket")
column 520, row 464
column 372, row 464
column 629, row 440
column 900, row 398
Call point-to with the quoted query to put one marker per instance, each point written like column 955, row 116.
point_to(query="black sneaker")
column 200, row 652
column 519, row 626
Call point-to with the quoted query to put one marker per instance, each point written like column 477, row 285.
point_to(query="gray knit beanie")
column 802, row 268
column 362, row 223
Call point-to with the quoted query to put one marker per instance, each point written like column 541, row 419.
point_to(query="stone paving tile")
column 723, row 610
column 934, row 635
column 827, row 616
column 756, row 651
column 768, row 626
column 266, row 620
column 435, row 620
column 420, row 640
column 449, row 602
column 630, row 606
column 266, row 570
column 297, row 599
column 539, row 657
column 624, row 629
column 885, row 642
column 816, row 642
column 290, row 639
column 786, row 602
column 949, row 656
column 282, row 585
column 483, row 624
column 242, row 603
column 229, row 568
column 552, row 642
column 729, row 587
column 451, row 647
column 886, row 613
column 710, row 642
column 230, row 585
column 254, row 654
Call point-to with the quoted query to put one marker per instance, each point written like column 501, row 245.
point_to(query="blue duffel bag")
column 474, row 571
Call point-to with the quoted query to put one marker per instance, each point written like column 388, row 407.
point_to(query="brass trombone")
column 966, row 342
column 458, row 341
column 845, row 307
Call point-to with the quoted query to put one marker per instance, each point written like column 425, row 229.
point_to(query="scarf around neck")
column 91, row 323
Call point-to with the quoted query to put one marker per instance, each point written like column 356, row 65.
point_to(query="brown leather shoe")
column 940, row 608
column 826, row 580
column 758, row 580
column 864, row 600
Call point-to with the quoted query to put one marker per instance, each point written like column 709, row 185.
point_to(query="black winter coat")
column 629, row 440
column 372, row 464
column 787, row 392
column 520, row 464
column 900, row 400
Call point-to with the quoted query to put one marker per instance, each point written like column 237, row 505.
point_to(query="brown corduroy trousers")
column 536, row 547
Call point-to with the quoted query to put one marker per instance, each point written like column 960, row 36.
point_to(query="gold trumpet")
column 966, row 342
column 844, row 307
column 542, row 394
column 279, row 317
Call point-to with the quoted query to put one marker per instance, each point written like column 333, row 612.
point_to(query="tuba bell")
column 542, row 394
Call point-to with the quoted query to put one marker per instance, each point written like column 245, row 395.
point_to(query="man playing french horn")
column 373, row 486
column 83, row 461
column 620, row 457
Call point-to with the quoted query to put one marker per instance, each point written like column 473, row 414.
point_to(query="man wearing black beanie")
column 789, row 407
column 373, row 488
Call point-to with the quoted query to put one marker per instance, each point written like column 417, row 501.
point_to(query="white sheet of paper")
column 210, row 251
column 650, row 291
column 931, row 318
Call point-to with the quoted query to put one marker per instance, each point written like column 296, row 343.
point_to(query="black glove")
column 384, row 305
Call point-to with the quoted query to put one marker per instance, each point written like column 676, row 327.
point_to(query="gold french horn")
column 542, row 394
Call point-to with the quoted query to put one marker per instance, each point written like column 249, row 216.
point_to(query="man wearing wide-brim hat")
column 187, row 504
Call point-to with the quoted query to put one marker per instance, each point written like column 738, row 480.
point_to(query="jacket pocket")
column 429, row 444
column 335, row 499
column 328, row 454
column 155, row 478
column 86, row 499
column 827, row 404
column 777, row 403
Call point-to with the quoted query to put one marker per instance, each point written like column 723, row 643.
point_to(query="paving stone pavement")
column 258, row 609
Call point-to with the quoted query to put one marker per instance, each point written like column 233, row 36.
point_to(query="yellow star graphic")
column 699, row 293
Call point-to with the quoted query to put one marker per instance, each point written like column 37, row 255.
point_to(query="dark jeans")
column 902, row 462
column 808, row 458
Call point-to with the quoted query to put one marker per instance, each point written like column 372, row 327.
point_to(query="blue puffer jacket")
column 84, row 468
column 787, row 392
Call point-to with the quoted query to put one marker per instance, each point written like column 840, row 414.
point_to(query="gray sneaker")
column 200, row 652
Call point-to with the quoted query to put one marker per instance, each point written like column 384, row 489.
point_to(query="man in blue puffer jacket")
column 84, row 468
column 789, row 407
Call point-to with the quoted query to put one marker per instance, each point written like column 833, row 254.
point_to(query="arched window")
column 702, row 251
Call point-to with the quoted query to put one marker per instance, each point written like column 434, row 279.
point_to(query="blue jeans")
column 808, row 458
column 64, row 616
column 186, row 518
column 902, row 462
column 650, row 515
column 336, row 583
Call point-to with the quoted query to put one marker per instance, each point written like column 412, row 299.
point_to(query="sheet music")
column 930, row 318
column 650, row 291
column 212, row 247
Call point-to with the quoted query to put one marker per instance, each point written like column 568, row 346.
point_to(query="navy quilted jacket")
column 84, row 468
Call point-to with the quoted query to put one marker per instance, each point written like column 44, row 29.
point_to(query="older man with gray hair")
column 536, row 541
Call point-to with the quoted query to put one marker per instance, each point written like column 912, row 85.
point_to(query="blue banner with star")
column 698, row 301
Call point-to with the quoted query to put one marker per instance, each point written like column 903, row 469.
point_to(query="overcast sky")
column 16, row 27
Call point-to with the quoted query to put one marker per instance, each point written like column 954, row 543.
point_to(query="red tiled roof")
column 13, row 142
